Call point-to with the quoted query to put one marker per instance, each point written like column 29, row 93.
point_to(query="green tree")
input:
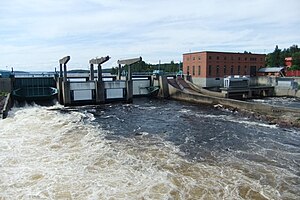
column 277, row 57
column 114, row 70
column 296, row 58
column 294, row 49
column 274, row 57
column 294, row 67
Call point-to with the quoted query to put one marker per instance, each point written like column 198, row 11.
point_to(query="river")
column 151, row 149
column 289, row 102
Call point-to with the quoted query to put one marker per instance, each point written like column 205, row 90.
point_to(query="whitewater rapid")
column 56, row 153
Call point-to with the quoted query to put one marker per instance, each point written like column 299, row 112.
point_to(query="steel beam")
column 64, row 60
column 97, row 61
column 129, row 61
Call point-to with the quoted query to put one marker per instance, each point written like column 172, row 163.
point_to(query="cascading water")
column 146, row 150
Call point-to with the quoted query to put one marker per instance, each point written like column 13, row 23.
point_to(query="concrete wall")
column 214, row 82
column 269, row 80
column 207, row 82
column 280, row 89
column 7, row 106
column 258, row 80
column 263, row 80
column 115, row 84
column 297, row 79
column 287, row 92
column 198, row 81
column 205, row 91
column 5, row 85
column 140, row 87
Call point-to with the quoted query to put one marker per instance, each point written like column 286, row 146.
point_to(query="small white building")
column 236, row 82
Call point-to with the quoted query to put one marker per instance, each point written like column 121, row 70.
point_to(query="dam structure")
column 81, row 88
column 94, row 88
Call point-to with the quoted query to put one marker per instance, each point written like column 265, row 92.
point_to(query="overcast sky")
column 35, row 34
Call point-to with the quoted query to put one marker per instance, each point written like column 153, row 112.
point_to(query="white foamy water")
column 48, row 154
column 231, row 119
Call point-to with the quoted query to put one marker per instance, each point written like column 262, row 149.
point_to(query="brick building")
column 288, row 61
column 208, row 68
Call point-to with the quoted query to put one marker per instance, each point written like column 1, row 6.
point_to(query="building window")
column 239, row 58
column 199, row 70
column 217, row 57
column 209, row 57
column 231, row 70
column 188, row 70
column 193, row 70
column 239, row 70
column 217, row 71
column 245, row 58
column 245, row 70
column 224, row 57
column 199, row 58
column 193, row 58
column 187, row 58
column 209, row 70
column 224, row 69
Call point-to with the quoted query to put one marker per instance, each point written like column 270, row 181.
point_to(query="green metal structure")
column 34, row 88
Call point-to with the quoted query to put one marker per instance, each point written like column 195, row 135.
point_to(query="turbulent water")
column 146, row 150
column 279, row 101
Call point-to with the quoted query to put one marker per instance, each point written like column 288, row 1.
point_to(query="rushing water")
column 279, row 101
column 146, row 150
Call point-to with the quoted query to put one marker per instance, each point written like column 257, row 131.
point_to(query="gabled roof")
column 288, row 59
column 270, row 69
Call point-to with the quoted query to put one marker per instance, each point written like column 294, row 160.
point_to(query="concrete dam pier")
column 94, row 90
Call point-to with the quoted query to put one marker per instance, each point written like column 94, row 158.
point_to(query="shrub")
column 294, row 67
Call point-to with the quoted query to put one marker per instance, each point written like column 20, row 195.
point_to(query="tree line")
column 147, row 67
column 277, row 57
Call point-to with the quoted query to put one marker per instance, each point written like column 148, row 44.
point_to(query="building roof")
column 222, row 52
column 270, row 69
column 288, row 59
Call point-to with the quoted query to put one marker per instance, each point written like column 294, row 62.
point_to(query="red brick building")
column 288, row 62
column 208, row 68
